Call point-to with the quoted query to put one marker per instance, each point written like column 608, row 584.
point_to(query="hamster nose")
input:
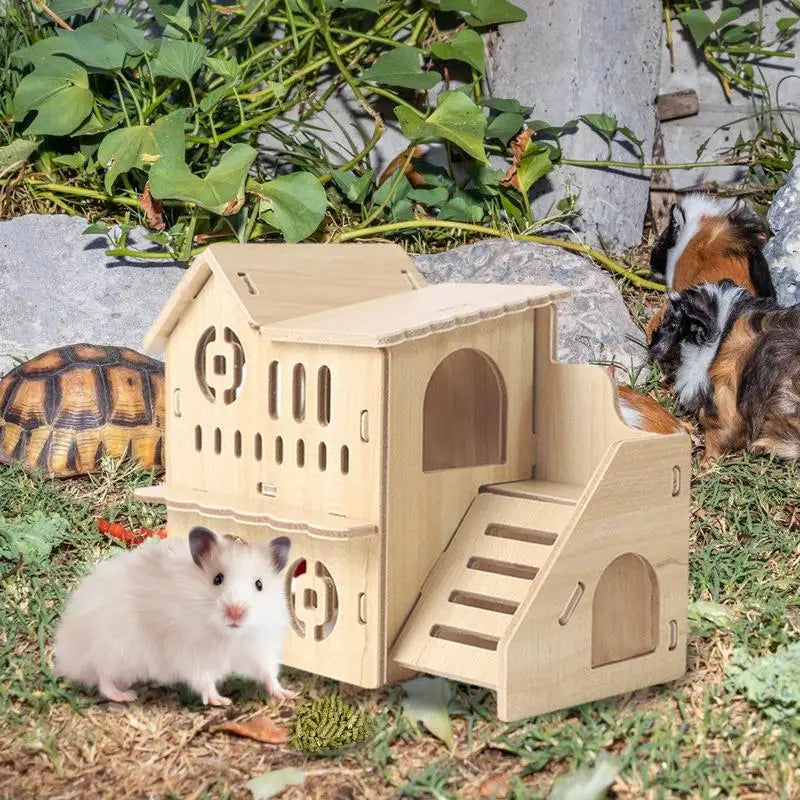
column 235, row 613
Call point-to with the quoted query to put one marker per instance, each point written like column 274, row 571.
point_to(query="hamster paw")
column 279, row 693
column 216, row 699
column 112, row 692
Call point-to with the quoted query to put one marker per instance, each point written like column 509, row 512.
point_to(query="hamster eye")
column 259, row 585
column 218, row 578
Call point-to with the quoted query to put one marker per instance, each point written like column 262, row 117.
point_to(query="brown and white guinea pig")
column 710, row 240
column 734, row 360
column 642, row 412
column 174, row 611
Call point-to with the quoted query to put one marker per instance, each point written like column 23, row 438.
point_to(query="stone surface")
column 783, row 249
column 58, row 287
column 573, row 58
column 593, row 324
column 719, row 121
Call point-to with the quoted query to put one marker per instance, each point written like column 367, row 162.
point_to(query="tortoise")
column 63, row 410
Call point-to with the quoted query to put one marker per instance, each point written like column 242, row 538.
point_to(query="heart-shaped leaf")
column 273, row 783
column 227, row 67
column 462, row 207
column 179, row 59
column 429, row 197
column 534, row 165
column 221, row 191
column 355, row 188
column 456, row 119
column 502, row 104
column 58, row 90
column 401, row 67
column 701, row 26
column 426, row 702
column 294, row 204
column 15, row 155
column 141, row 146
column 466, row 46
column 486, row 12
column 504, row 126
column 70, row 8
column 605, row 124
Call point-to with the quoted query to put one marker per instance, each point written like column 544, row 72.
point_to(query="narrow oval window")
column 258, row 447
column 278, row 450
column 198, row 438
column 274, row 389
column 345, row 459
column 301, row 453
column 299, row 392
column 323, row 457
column 217, row 441
column 324, row 395
column 237, row 444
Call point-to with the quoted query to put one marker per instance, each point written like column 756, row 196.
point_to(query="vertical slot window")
column 198, row 438
column 301, row 453
column 217, row 441
column 324, row 395
column 299, row 392
column 258, row 447
column 274, row 389
column 323, row 457
column 278, row 450
column 345, row 459
column 237, row 444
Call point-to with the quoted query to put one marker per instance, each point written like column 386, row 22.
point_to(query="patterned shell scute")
column 63, row 410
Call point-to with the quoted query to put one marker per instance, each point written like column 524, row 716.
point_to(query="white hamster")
column 171, row 611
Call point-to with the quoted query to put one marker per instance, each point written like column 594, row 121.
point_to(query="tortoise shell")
column 63, row 410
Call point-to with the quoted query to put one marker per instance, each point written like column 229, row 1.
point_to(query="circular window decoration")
column 219, row 365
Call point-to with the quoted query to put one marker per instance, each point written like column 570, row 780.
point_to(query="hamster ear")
column 201, row 542
column 676, row 215
column 279, row 552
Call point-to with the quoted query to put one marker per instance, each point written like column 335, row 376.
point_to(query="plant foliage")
column 221, row 109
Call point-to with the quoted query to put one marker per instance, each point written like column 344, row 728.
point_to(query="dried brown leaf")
column 153, row 209
column 262, row 729
column 414, row 177
column 233, row 207
column 518, row 145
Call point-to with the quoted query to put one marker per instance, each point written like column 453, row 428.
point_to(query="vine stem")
column 45, row 9
column 75, row 191
column 573, row 162
column 576, row 247
column 147, row 255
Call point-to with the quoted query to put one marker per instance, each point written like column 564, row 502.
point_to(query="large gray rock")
column 783, row 249
column 573, row 58
column 58, row 287
column 593, row 324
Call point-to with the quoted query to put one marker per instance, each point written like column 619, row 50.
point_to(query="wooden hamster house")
column 458, row 503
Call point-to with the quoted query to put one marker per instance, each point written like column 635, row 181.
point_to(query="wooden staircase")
column 476, row 586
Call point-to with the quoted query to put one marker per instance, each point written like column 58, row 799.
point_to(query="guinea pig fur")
column 173, row 611
column 642, row 412
column 710, row 240
column 734, row 361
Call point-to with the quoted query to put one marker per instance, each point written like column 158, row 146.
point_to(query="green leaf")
column 705, row 613
column 364, row 5
column 219, row 191
column 71, row 8
column 74, row 160
column 93, row 125
column 214, row 97
column 494, row 12
column 179, row 59
column 510, row 106
column 354, row 188
column 488, row 180
column 141, row 146
column 99, row 227
column 462, row 207
column 32, row 537
column 504, row 126
column 466, row 46
column 727, row 16
column 399, row 191
column 274, row 782
column 605, row 124
column 534, row 165
column 429, row 197
column 632, row 137
column 58, row 90
column 434, row 175
column 401, row 67
column 15, row 155
column 227, row 67
column 786, row 24
column 426, row 701
column 771, row 682
column 456, row 119
column 588, row 784
column 294, row 204
column 402, row 210
column 698, row 23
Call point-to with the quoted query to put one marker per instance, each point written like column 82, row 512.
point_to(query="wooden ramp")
column 473, row 591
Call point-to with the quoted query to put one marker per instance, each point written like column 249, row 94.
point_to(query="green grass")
column 694, row 738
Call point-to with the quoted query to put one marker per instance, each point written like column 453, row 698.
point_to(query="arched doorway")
column 625, row 611
column 464, row 413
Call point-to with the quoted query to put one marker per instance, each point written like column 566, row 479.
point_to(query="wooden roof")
column 394, row 319
column 276, row 282
column 360, row 295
